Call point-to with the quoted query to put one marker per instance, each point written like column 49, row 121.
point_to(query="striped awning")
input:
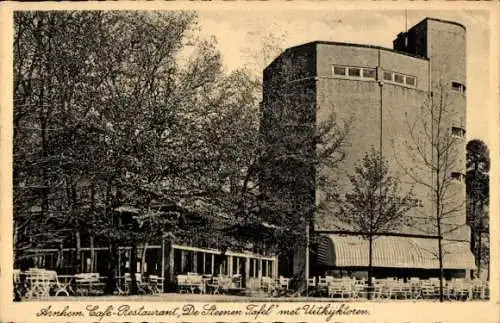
column 393, row 252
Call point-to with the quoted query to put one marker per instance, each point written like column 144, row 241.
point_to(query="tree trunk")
column 111, row 268
column 370, row 266
column 143, row 258
column 60, row 258
column 78, row 251
column 479, row 253
column 168, row 263
column 440, row 256
column 132, row 269
column 92, row 254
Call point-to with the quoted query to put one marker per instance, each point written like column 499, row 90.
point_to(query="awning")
column 394, row 252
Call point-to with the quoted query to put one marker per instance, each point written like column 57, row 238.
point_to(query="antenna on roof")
column 406, row 20
column 406, row 28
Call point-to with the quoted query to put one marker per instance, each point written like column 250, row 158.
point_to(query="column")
column 212, row 267
column 230, row 266
column 204, row 262
column 275, row 269
column 260, row 268
column 247, row 269
column 195, row 261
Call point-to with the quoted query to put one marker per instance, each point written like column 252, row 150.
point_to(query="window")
column 354, row 71
column 398, row 78
column 411, row 80
column 457, row 176
column 339, row 70
column 458, row 86
column 369, row 73
column 458, row 132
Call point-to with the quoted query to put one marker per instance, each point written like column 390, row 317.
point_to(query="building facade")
column 390, row 98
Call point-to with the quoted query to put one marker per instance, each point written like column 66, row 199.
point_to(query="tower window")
column 458, row 86
column 458, row 132
column 354, row 71
column 398, row 78
column 369, row 73
column 459, row 177
column 339, row 70
column 410, row 80
column 388, row 76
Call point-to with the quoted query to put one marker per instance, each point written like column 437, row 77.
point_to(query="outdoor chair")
column 311, row 285
column 154, row 284
column 429, row 289
column 264, row 283
column 225, row 284
column 284, row 283
column 213, row 286
column 39, row 282
column 359, row 288
column 322, row 285
column 479, row 289
column 182, row 284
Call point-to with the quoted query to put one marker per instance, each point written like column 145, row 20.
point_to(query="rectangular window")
column 459, row 132
column 457, row 176
column 458, row 86
column 398, row 78
column 339, row 70
column 410, row 80
column 354, row 71
column 388, row 76
column 369, row 73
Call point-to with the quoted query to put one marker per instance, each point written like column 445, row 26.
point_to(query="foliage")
column 296, row 149
column 376, row 203
column 477, row 186
column 120, row 134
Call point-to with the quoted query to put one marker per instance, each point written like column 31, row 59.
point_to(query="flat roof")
column 324, row 42
column 441, row 20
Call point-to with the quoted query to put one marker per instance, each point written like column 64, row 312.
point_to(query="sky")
column 237, row 31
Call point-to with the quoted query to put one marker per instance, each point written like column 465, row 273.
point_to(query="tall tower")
column 444, row 44
column 382, row 91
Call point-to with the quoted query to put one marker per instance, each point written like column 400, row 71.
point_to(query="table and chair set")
column 37, row 283
column 393, row 288
column 207, row 284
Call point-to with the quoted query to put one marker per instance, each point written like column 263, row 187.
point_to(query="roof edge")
column 325, row 42
column 441, row 20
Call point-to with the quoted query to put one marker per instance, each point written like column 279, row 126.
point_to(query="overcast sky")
column 233, row 30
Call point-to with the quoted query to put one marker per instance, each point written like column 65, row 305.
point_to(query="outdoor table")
column 64, row 285
column 88, row 283
column 191, row 283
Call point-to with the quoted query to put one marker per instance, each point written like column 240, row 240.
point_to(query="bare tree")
column 376, row 203
column 433, row 150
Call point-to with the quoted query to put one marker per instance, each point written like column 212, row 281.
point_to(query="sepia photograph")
column 329, row 157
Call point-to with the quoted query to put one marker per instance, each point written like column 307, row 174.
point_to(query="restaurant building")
column 380, row 90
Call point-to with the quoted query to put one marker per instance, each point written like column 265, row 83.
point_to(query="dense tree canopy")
column 110, row 111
